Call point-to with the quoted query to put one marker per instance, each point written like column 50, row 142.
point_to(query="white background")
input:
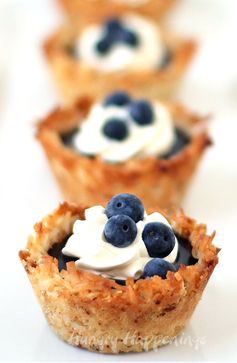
column 28, row 191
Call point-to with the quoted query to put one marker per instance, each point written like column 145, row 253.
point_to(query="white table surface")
column 28, row 191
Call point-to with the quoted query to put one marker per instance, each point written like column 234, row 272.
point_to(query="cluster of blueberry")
column 140, row 111
column 123, row 212
column 115, row 32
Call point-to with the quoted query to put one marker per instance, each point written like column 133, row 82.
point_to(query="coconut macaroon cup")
column 98, row 313
column 97, row 9
column 129, row 52
column 93, row 179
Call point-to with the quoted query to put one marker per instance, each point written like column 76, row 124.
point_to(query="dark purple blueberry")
column 158, row 267
column 159, row 239
column 141, row 112
column 113, row 25
column 118, row 98
column 115, row 129
column 129, row 37
column 120, row 231
column 103, row 46
column 125, row 204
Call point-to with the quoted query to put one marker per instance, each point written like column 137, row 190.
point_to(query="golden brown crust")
column 96, row 313
column 93, row 181
column 75, row 79
column 98, row 9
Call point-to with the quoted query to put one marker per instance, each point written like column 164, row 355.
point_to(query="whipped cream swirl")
column 154, row 139
column 96, row 255
column 147, row 55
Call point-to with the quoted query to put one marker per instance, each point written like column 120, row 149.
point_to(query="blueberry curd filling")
column 181, row 141
column 119, row 128
column 166, row 58
column 122, row 241
column 184, row 256
column 121, row 43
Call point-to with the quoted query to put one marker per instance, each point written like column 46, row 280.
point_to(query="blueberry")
column 115, row 129
column 120, row 231
column 113, row 25
column 117, row 98
column 125, row 204
column 159, row 267
column 141, row 112
column 103, row 46
column 129, row 37
column 158, row 238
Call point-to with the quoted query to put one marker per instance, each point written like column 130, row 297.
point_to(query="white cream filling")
column 95, row 254
column 146, row 56
column 155, row 139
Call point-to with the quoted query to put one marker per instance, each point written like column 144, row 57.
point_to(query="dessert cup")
column 75, row 78
column 101, row 315
column 92, row 181
column 97, row 9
